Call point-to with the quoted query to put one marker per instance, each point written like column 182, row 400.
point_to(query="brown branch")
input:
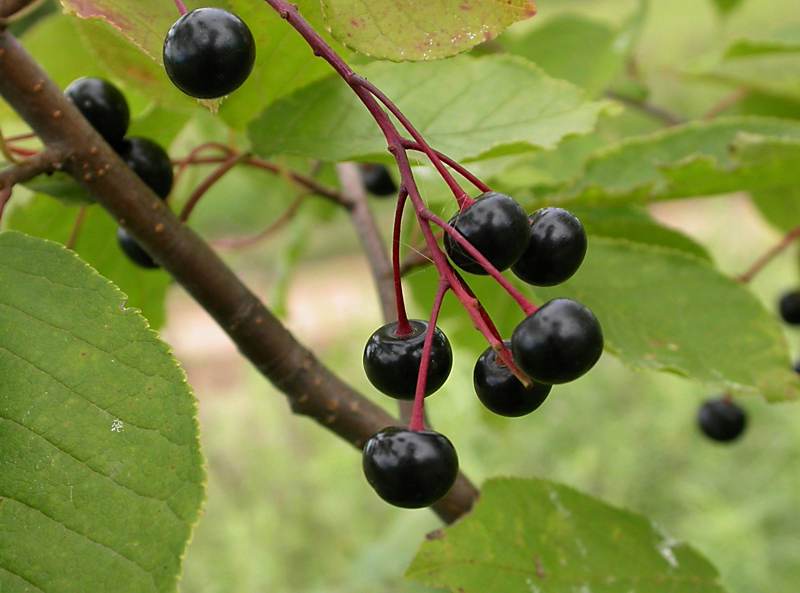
column 22, row 171
column 654, row 111
column 725, row 103
column 11, row 7
column 311, row 388
column 771, row 254
column 378, row 258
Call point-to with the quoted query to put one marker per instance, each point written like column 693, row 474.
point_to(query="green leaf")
column 767, row 64
column 447, row 100
column 693, row 160
column 669, row 311
column 60, row 185
column 427, row 30
column 590, row 53
column 537, row 536
column 727, row 6
column 96, row 244
column 101, row 475
column 143, row 22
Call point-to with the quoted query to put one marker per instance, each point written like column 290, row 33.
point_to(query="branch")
column 22, row 171
column 771, row 254
column 312, row 389
column 659, row 113
column 374, row 247
column 11, row 7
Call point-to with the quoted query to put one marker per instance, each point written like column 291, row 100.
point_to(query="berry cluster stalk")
column 375, row 101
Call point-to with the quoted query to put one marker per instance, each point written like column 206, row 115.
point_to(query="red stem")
column 403, row 326
column 418, row 411
column 453, row 164
column 526, row 306
column 207, row 184
column 181, row 7
column 461, row 196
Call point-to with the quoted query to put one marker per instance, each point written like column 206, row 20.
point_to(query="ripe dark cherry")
column 721, row 420
column 392, row 362
column 496, row 226
column 150, row 162
column 410, row 469
column 377, row 180
column 103, row 105
column 558, row 343
column 209, row 52
column 134, row 251
column 556, row 248
column 501, row 392
column 789, row 307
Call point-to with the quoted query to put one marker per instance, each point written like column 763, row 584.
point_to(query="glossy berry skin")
column 501, row 392
column 392, row 362
column 721, row 420
column 150, row 162
column 558, row 343
column 556, row 248
column 410, row 469
column 496, row 226
column 789, row 307
column 209, row 52
column 377, row 180
column 134, row 251
column 103, row 105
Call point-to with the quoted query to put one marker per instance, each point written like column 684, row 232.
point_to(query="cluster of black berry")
column 105, row 107
column 208, row 53
column 557, row 343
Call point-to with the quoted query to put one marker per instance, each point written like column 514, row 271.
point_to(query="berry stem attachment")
column 527, row 307
column 403, row 326
column 418, row 411
column 181, row 7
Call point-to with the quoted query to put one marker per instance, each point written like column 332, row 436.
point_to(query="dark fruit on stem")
column 789, row 307
column 410, row 469
column 134, row 251
column 209, row 52
column 496, row 226
column 103, row 105
column 150, row 162
column 377, row 180
column 392, row 362
column 721, row 420
column 501, row 392
column 556, row 248
column 558, row 343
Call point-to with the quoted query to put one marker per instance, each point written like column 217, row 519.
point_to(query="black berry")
column 392, row 362
column 377, row 180
column 134, row 251
column 558, row 343
column 501, row 392
column 410, row 469
column 103, row 105
column 150, row 162
column 789, row 306
column 556, row 248
column 721, row 420
column 209, row 52
column 496, row 226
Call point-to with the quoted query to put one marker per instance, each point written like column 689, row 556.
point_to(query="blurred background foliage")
column 288, row 509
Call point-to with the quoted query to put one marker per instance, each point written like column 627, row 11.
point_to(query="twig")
column 275, row 226
column 725, row 103
column 76, row 228
column 22, row 171
column 208, row 183
column 771, row 254
column 659, row 113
